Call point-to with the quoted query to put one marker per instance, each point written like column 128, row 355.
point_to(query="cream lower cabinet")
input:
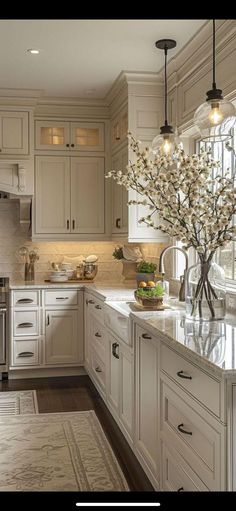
column 147, row 404
column 46, row 328
column 61, row 337
column 69, row 197
column 120, row 384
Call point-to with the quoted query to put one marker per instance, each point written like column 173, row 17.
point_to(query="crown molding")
column 20, row 97
column 198, row 51
column 126, row 78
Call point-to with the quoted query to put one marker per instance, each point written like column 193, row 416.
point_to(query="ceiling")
column 82, row 58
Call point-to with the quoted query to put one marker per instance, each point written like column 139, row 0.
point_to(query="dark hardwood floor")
column 77, row 393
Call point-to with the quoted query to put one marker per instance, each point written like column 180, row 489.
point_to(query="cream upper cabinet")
column 14, row 133
column 72, row 136
column 119, row 127
column 69, row 195
column 52, row 195
column 119, row 195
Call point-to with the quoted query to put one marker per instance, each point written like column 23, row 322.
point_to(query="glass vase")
column 205, row 292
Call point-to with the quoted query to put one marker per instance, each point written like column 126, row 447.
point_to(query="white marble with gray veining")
column 210, row 344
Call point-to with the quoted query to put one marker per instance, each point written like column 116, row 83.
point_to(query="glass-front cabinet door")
column 69, row 136
column 52, row 135
column 87, row 136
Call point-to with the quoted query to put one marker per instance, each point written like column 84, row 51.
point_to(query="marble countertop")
column 212, row 344
column 103, row 290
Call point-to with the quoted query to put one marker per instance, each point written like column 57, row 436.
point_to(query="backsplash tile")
column 13, row 236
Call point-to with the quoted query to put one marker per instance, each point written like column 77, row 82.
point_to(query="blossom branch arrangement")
column 187, row 198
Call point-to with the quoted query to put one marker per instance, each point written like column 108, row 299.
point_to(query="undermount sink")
column 132, row 306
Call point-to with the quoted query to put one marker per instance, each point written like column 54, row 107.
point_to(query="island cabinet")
column 146, row 439
column 96, row 351
column 180, row 426
column 46, row 328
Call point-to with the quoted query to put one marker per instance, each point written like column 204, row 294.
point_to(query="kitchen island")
column 169, row 383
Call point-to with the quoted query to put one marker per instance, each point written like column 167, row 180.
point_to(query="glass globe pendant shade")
column 214, row 119
column 165, row 142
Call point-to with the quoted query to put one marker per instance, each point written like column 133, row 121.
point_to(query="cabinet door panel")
column 53, row 135
column 119, row 196
column 14, row 133
column 147, row 401
column 87, row 136
column 52, row 195
column 87, row 195
column 113, row 376
column 61, row 337
column 126, row 390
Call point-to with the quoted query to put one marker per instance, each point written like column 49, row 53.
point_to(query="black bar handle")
column 97, row 334
column 180, row 428
column 98, row 307
column 115, row 345
column 181, row 488
column 181, row 374
column 146, row 336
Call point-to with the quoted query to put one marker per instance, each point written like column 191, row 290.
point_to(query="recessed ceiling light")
column 34, row 51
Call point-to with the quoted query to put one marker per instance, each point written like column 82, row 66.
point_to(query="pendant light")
column 165, row 142
column 215, row 118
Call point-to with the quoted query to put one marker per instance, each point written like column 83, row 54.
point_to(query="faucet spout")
column 183, row 277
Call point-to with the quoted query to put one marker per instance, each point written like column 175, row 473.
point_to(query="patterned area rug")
column 57, row 452
column 18, row 403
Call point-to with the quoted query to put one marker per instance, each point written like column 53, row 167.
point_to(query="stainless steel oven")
column 4, row 294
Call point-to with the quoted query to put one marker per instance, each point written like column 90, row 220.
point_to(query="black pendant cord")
column 166, row 122
column 214, row 56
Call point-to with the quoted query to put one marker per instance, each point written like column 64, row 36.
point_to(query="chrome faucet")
column 183, row 277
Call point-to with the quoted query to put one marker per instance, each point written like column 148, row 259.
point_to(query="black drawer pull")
column 25, row 300
column 180, row 428
column 98, row 370
column 90, row 301
column 62, row 298
column 118, row 223
column 98, row 307
column 97, row 334
column 115, row 345
column 146, row 336
column 181, row 488
column 25, row 325
column 181, row 374
column 25, row 354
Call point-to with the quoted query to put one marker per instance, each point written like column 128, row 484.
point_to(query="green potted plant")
column 145, row 272
column 150, row 297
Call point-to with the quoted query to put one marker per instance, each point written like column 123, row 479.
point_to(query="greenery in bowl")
column 118, row 253
column 146, row 267
column 150, row 292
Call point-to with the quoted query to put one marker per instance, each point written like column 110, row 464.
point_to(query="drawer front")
column 98, row 336
column 198, row 442
column 25, row 298
column 61, row 297
column 118, row 323
column 96, row 307
column 98, row 369
column 177, row 475
column 26, row 322
column 199, row 384
column 26, row 353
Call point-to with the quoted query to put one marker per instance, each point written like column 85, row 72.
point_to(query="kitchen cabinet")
column 46, row 328
column 69, row 136
column 69, row 196
column 119, row 127
column 147, row 404
column 95, row 342
column 14, row 133
column 119, row 195
column 61, row 337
